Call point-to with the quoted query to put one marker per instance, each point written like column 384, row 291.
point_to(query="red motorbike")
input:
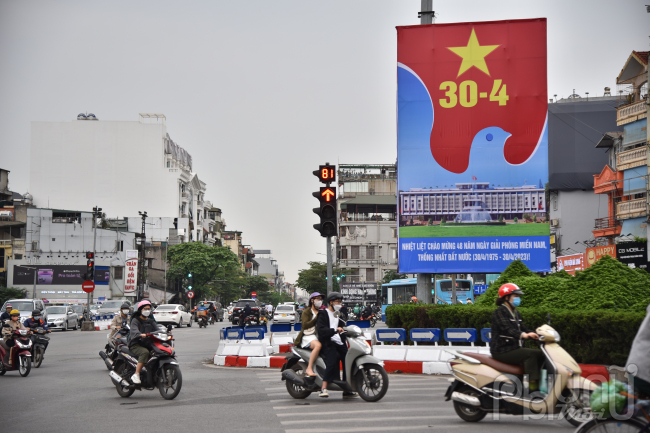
column 21, row 356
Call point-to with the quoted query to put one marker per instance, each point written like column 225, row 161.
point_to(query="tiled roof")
column 642, row 55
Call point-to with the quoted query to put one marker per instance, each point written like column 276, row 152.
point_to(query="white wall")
column 577, row 211
column 117, row 165
column 157, row 229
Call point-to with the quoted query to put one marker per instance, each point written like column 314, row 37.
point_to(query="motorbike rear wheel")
column 170, row 381
column 466, row 412
column 25, row 365
column 578, row 410
column 125, row 392
column 631, row 425
column 38, row 356
column 371, row 382
column 296, row 391
column 373, row 322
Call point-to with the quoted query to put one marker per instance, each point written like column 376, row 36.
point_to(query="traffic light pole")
column 95, row 212
column 330, row 282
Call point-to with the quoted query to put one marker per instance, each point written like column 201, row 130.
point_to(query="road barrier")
column 102, row 322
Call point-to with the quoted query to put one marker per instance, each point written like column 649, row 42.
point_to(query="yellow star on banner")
column 473, row 54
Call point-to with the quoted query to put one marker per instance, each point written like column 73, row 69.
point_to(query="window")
column 395, row 233
column 370, row 274
column 344, row 253
column 118, row 273
column 18, row 256
column 393, row 252
column 355, row 251
column 370, row 253
column 119, row 245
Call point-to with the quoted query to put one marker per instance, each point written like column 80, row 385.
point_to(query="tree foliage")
column 314, row 279
column 608, row 284
column 391, row 275
column 7, row 293
column 206, row 264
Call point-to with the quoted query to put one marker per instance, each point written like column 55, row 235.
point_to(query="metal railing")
column 606, row 223
column 629, row 112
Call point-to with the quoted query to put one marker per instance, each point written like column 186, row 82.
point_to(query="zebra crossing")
column 413, row 404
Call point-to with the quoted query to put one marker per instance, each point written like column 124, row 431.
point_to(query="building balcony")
column 606, row 227
column 185, row 195
column 351, row 217
column 631, row 112
column 631, row 208
column 632, row 158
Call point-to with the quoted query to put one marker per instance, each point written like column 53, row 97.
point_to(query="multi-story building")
column 574, row 125
column 54, row 262
column 268, row 266
column 625, row 179
column 367, row 217
column 122, row 166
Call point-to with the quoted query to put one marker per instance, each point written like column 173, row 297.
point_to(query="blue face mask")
column 516, row 302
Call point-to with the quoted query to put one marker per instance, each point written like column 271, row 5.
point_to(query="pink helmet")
column 142, row 304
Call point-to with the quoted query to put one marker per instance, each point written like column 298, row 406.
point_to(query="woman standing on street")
column 307, row 338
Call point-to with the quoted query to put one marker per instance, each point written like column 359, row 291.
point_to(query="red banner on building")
column 594, row 254
column 572, row 263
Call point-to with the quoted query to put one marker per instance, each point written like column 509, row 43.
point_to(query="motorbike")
column 250, row 320
column 39, row 344
column 210, row 319
column 21, row 357
column 483, row 385
column 109, row 354
column 161, row 371
column 202, row 319
column 364, row 373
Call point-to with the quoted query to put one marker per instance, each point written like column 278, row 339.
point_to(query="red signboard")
column 88, row 286
column 254, row 295
column 190, row 294
column 131, row 277
column 594, row 254
column 572, row 263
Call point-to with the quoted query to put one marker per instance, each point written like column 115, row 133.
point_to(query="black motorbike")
column 109, row 354
column 161, row 371
column 40, row 342
column 202, row 321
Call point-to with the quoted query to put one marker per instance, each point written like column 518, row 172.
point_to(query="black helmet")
column 334, row 296
column 36, row 313
column 247, row 304
column 125, row 306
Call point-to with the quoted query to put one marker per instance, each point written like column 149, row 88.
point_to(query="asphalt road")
column 71, row 392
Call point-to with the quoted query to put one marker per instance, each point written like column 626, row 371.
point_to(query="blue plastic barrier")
column 486, row 335
column 363, row 324
column 258, row 328
column 391, row 334
column 464, row 335
column 235, row 334
column 425, row 334
column 253, row 334
column 383, row 318
column 283, row 327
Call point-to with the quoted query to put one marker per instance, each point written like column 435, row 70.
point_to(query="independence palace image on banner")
column 472, row 146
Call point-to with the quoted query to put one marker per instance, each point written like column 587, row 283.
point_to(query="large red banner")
column 480, row 75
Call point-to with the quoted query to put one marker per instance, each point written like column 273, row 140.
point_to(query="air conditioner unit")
column 181, row 232
column 555, row 222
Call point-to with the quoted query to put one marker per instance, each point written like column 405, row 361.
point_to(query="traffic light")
column 90, row 266
column 190, row 281
column 326, row 173
column 326, row 211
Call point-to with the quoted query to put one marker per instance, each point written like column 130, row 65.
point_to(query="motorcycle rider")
column 212, row 311
column 307, row 338
column 5, row 314
column 366, row 312
column 8, row 343
column 141, row 325
column 244, row 313
column 508, row 333
column 638, row 363
column 119, row 320
column 329, row 329
column 35, row 321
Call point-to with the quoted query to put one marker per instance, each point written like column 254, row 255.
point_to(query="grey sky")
column 257, row 90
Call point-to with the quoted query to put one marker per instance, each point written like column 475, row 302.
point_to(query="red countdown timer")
column 326, row 173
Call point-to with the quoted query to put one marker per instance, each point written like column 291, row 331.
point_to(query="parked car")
column 26, row 306
column 113, row 307
column 173, row 313
column 62, row 317
column 80, row 310
column 240, row 304
column 285, row 314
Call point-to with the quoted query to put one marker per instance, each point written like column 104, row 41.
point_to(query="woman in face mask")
column 508, row 333
column 119, row 320
column 141, row 325
column 308, row 338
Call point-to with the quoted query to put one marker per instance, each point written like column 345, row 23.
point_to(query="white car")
column 173, row 313
column 62, row 317
column 284, row 314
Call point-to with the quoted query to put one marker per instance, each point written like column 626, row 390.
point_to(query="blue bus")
column 402, row 291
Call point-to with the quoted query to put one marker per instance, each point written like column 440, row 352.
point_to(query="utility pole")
column 143, row 239
column 423, row 287
column 330, row 283
column 96, row 213
column 453, row 289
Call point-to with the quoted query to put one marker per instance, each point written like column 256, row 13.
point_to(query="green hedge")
column 591, row 337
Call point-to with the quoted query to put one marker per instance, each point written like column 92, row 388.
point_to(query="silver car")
column 62, row 317
column 26, row 306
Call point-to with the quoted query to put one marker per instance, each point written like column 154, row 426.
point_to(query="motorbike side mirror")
column 169, row 328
